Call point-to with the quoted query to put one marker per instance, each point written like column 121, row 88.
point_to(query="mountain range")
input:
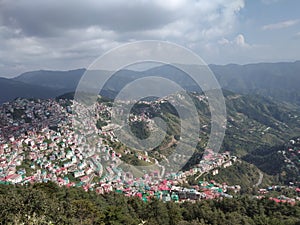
column 278, row 81
column 11, row 89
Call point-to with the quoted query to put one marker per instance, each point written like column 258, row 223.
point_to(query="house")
column 84, row 179
column 88, row 171
column 43, row 146
column 227, row 164
column 69, row 154
column 166, row 197
column 82, row 165
column 15, row 178
column 215, row 172
column 78, row 173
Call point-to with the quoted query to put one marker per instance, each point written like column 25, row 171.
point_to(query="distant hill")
column 278, row 81
column 11, row 89
column 58, row 80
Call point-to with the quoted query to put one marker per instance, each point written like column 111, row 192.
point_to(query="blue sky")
column 70, row 34
column 274, row 24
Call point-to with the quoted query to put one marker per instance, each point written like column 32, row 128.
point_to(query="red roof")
column 9, row 176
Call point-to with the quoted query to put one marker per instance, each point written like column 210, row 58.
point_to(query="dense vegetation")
column 282, row 161
column 241, row 173
column 255, row 122
column 50, row 204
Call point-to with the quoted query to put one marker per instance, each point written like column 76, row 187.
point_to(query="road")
column 261, row 176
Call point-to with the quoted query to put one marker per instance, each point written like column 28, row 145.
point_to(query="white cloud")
column 54, row 32
column 280, row 25
column 238, row 49
column 238, row 41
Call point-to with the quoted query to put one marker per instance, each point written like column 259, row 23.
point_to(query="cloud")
column 238, row 49
column 238, row 41
column 55, row 32
column 47, row 18
column 52, row 18
column 281, row 25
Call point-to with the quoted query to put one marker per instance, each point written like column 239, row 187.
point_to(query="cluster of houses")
column 272, row 190
column 170, row 190
column 41, row 154
column 52, row 156
column 75, row 157
column 291, row 155
column 22, row 115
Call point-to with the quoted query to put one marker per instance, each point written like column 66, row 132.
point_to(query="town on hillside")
column 38, row 144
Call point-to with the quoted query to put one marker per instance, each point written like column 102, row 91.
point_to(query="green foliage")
column 274, row 162
column 240, row 173
column 100, row 124
column 140, row 129
column 49, row 204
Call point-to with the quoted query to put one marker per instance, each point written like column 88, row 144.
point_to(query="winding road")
column 261, row 176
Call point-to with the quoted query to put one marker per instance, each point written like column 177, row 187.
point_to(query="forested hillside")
column 49, row 204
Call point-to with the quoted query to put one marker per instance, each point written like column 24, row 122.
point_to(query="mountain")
column 58, row 80
column 11, row 89
column 278, row 81
column 252, row 123
column 255, row 127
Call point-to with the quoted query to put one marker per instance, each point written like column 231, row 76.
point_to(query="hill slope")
column 66, row 80
column 253, row 123
column 277, row 80
column 11, row 89
column 282, row 161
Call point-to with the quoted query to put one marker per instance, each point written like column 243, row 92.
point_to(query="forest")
column 47, row 203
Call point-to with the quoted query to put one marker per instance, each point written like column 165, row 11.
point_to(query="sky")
column 71, row 34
